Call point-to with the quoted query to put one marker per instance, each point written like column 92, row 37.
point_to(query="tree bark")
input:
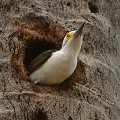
column 28, row 28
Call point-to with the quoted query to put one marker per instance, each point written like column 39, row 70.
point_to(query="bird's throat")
column 73, row 46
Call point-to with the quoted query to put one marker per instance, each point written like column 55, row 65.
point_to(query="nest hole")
column 34, row 48
column 35, row 35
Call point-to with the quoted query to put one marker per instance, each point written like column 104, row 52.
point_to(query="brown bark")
column 28, row 28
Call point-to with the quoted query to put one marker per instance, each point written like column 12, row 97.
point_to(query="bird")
column 52, row 67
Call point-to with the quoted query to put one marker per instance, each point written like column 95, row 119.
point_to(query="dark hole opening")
column 39, row 115
column 93, row 8
column 70, row 118
column 34, row 48
column 68, row 4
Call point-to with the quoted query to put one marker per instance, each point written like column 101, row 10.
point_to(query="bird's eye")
column 68, row 35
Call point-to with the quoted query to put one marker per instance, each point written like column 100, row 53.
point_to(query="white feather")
column 60, row 65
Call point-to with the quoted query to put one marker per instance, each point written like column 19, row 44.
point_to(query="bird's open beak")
column 79, row 30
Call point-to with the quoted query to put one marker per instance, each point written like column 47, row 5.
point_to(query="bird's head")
column 73, row 34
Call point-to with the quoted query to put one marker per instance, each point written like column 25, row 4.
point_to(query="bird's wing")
column 39, row 60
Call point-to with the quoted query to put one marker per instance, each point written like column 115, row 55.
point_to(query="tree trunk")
column 29, row 27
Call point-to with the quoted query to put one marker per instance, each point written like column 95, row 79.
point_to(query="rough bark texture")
column 28, row 27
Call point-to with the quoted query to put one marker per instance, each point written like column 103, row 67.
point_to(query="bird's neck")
column 73, row 46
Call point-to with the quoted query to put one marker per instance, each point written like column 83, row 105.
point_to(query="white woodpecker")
column 53, row 67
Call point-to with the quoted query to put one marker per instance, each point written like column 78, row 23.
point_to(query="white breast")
column 54, row 71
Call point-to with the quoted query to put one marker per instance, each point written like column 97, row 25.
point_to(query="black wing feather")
column 39, row 60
